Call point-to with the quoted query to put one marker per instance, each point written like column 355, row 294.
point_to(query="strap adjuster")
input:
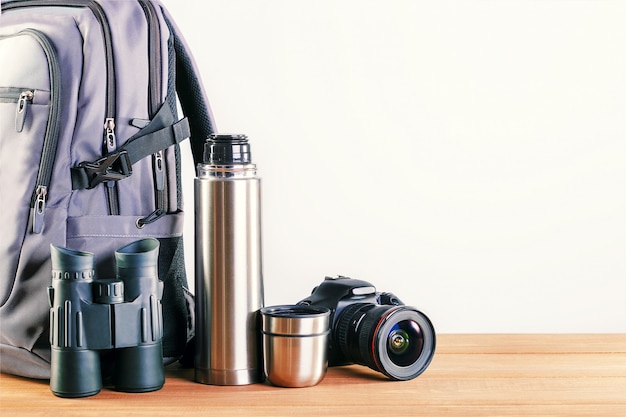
column 113, row 167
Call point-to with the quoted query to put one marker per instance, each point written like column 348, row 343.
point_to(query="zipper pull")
column 109, row 134
column 39, row 208
column 23, row 103
column 159, row 171
column 110, row 142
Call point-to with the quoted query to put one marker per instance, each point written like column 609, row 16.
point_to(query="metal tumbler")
column 228, row 279
column 295, row 344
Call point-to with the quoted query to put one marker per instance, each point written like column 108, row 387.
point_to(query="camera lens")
column 398, row 341
column 405, row 343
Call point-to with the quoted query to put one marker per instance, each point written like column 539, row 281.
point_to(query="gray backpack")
column 89, row 155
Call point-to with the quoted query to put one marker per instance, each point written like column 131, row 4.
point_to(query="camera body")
column 120, row 316
column 339, row 293
column 374, row 328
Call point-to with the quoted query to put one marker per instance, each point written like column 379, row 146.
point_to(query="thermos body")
column 228, row 280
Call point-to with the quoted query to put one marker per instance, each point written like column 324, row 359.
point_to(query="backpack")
column 90, row 156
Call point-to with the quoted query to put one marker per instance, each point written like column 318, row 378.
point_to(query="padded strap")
column 193, row 98
column 152, row 143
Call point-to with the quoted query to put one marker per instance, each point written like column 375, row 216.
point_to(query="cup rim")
column 295, row 311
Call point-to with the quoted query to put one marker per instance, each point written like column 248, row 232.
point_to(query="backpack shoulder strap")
column 193, row 98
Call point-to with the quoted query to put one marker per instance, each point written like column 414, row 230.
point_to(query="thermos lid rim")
column 227, row 137
column 227, row 149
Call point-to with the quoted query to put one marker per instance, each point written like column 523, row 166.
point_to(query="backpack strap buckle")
column 113, row 167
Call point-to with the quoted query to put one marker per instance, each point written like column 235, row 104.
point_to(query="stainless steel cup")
column 295, row 343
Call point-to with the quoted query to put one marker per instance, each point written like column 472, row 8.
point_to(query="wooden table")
column 471, row 375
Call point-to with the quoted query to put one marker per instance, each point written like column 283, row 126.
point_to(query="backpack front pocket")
column 29, row 132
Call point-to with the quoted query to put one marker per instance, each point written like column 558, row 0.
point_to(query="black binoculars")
column 121, row 315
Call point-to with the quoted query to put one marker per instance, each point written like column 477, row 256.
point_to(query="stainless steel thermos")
column 228, row 278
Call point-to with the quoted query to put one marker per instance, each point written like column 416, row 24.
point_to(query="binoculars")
column 121, row 316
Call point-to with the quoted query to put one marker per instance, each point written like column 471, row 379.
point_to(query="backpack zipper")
column 51, row 138
column 23, row 103
column 154, row 52
column 109, row 138
column 23, row 97
column 154, row 97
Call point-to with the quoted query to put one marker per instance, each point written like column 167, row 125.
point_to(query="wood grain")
column 471, row 375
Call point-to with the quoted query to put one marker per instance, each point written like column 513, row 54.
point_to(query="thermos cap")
column 228, row 149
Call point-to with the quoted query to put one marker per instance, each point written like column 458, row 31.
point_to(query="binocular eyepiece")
column 122, row 315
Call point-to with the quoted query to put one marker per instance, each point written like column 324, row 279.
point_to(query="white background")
column 469, row 156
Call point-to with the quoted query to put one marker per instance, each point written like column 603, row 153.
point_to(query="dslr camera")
column 120, row 316
column 374, row 329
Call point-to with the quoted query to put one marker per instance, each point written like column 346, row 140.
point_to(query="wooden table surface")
column 471, row 375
